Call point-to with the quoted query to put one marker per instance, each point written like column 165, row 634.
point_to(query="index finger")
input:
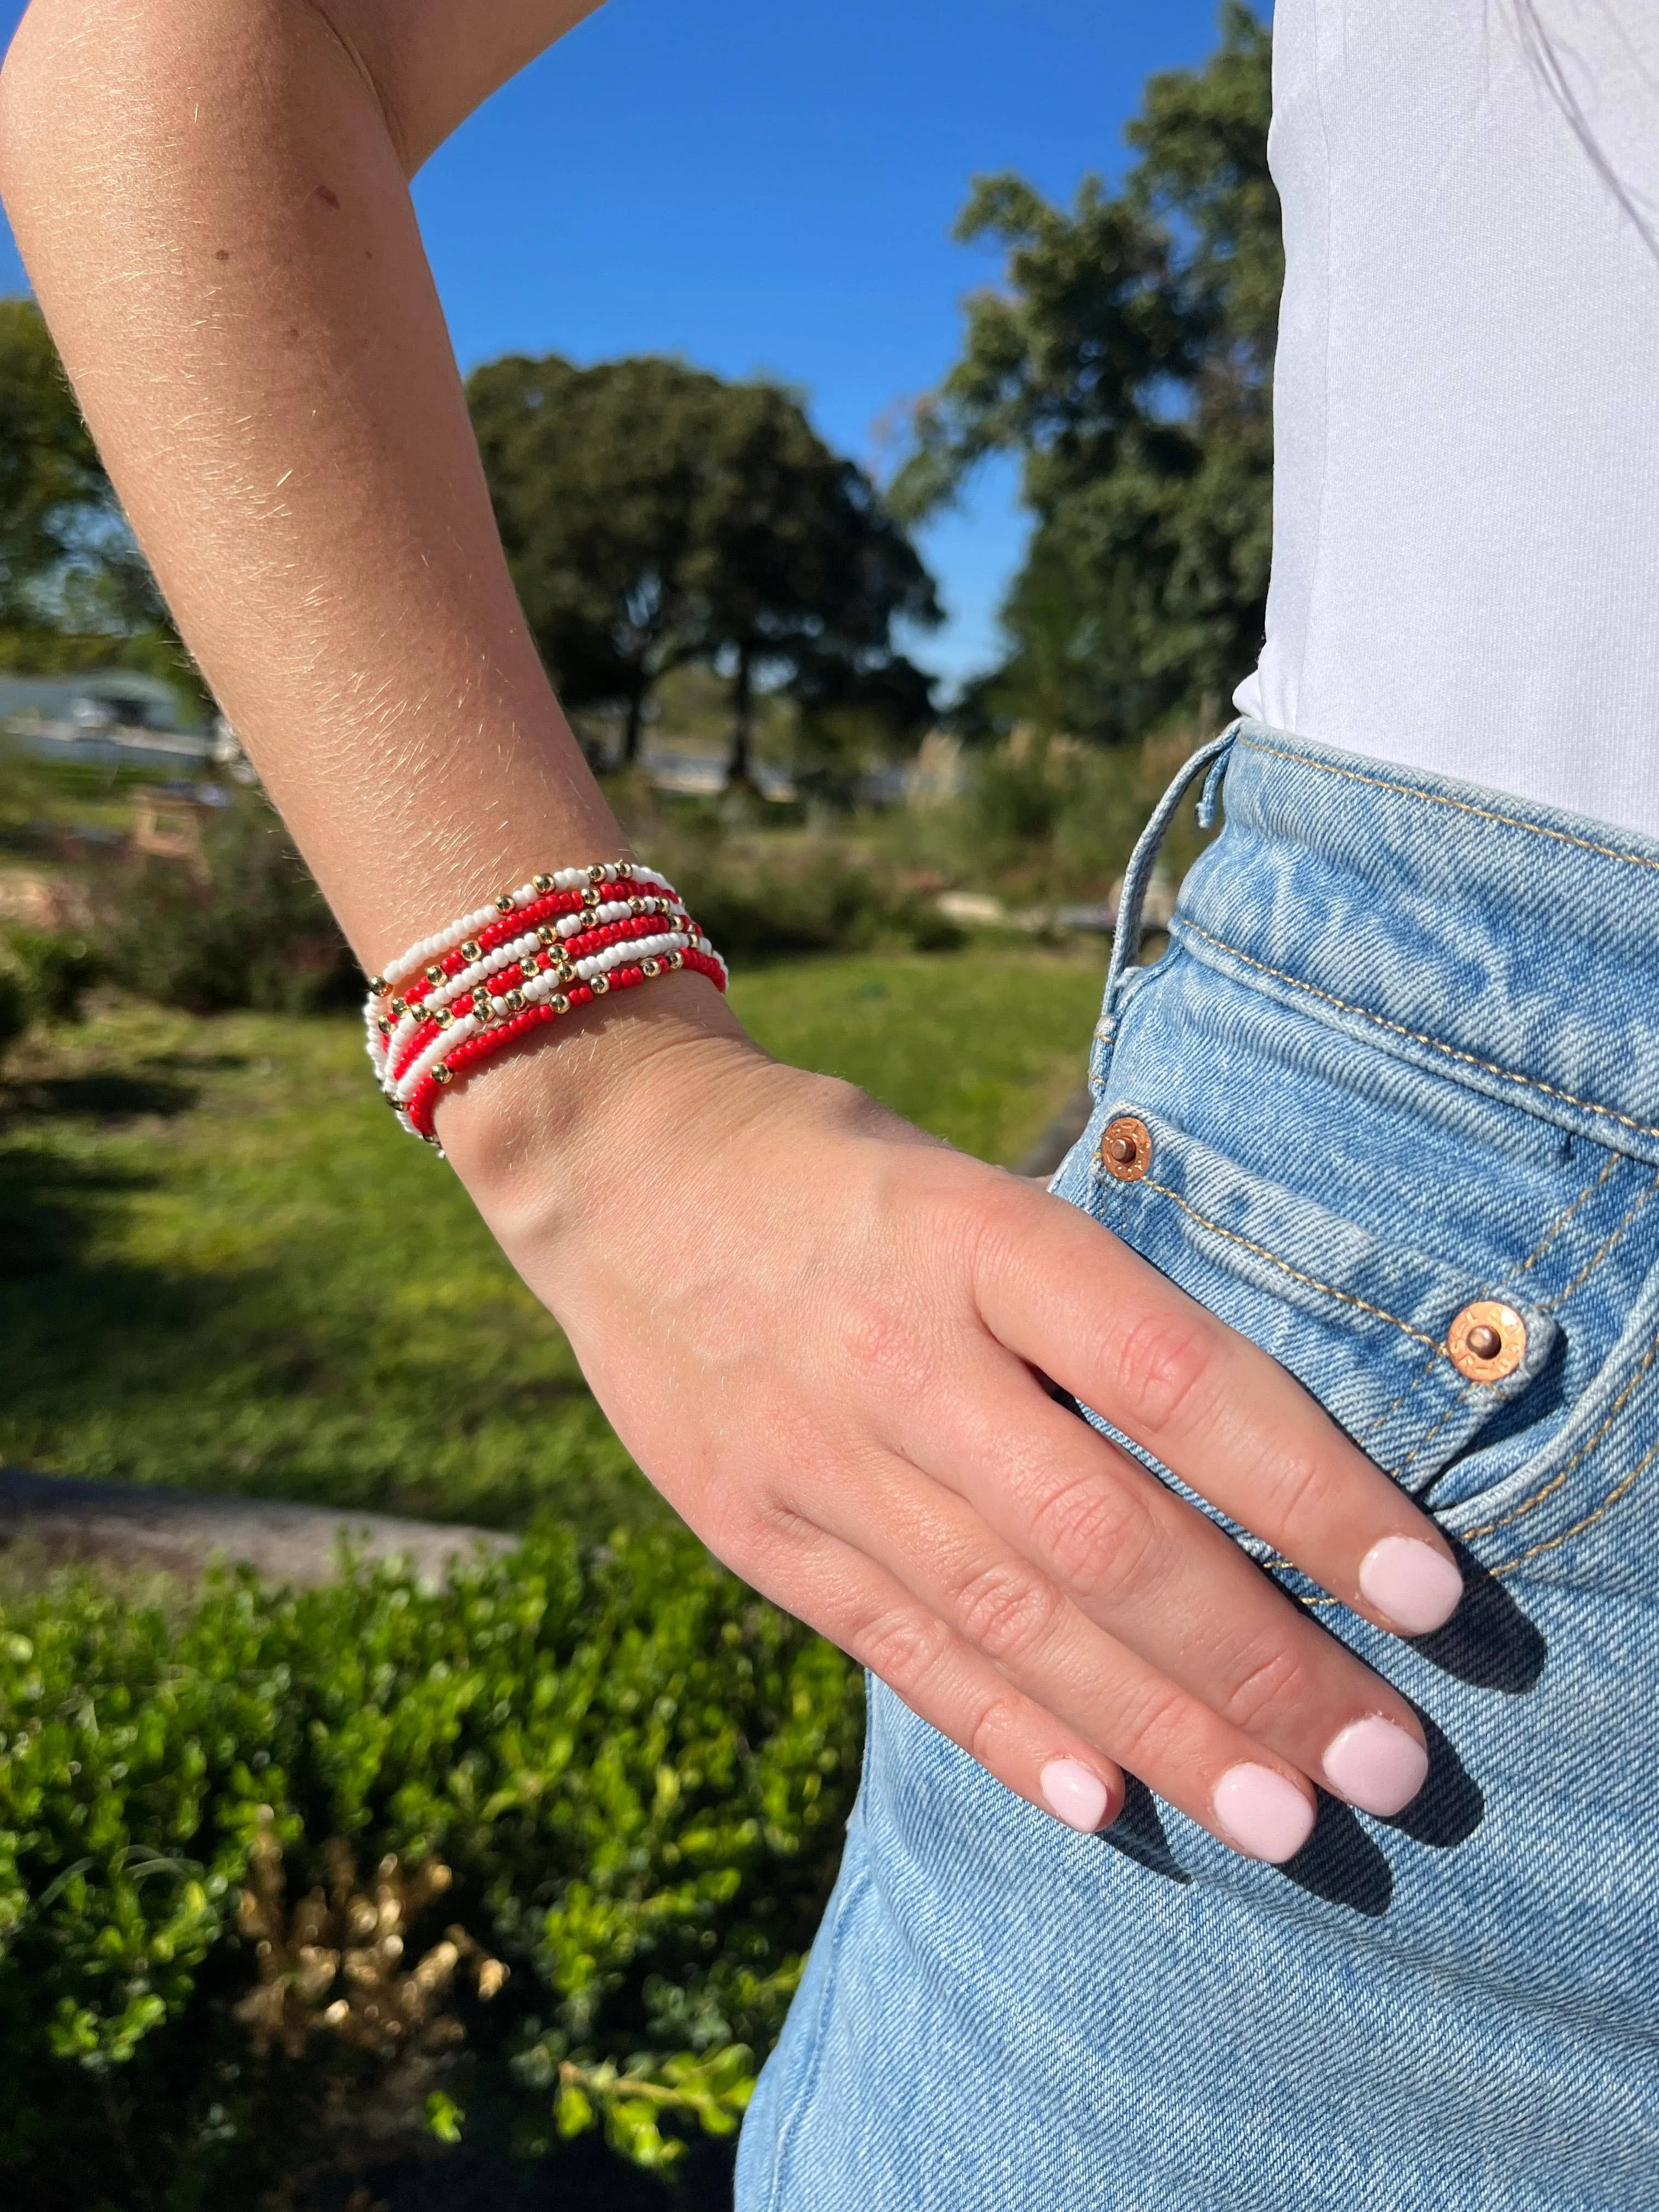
column 1073, row 1299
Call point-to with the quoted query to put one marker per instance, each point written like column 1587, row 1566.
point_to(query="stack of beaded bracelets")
column 556, row 942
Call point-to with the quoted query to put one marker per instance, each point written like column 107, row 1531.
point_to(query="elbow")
column 26, row 99
column 68, row 79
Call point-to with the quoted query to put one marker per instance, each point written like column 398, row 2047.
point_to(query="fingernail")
column 1076, row 1794
column 1262, row 1813
column 1416, row 1586
column 1376, row 1765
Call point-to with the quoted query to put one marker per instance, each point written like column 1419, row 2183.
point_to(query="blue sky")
column 757, row 188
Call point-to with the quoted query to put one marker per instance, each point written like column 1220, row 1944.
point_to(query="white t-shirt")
column 1466, row 504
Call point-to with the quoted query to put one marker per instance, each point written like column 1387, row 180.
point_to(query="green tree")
column 598, row 478
column 68, row 560
column 75, row 590
column 655, row 515
column 1127, row 359
column 807, row 572
column 50, row 472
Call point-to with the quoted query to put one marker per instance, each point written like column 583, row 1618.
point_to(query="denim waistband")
column 1512, row 948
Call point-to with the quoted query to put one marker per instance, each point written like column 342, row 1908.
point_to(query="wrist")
column 535, row 1134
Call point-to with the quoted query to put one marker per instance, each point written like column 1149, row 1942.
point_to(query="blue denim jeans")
column 1402, row 1056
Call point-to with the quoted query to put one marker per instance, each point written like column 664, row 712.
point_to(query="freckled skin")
column 221, row 255
column 328, row 198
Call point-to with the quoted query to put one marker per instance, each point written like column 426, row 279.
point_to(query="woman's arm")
column 212, row 199
column 817, row 1329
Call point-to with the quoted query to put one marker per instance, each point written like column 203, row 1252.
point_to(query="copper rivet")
column 1125, row 1148
column 1487, row 1342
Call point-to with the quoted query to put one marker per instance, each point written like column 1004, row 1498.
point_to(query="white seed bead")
column 647, row 892
column 565, row 880
column 430, row 1055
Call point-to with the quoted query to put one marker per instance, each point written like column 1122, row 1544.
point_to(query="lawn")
column 222, row 1265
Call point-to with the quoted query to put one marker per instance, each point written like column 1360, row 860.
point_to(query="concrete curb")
column 182, row 1532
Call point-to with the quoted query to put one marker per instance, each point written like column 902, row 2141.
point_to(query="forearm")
column 211, row 199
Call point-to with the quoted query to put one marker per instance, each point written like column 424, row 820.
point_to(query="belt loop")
column 1126, row 936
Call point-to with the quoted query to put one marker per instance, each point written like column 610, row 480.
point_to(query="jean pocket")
column 1378, row 1332
column 1520, row 1500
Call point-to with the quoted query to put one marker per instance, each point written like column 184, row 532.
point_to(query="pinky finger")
column 944, row 1681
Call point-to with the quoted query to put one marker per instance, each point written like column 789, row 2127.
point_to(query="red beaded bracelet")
column 536, row 954
column 423, row 1099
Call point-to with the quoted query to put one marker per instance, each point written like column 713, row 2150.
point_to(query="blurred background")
column 877, row 413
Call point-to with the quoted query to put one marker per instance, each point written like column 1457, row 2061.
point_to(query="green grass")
column 222, row 1265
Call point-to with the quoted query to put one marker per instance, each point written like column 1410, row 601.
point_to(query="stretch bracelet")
column 534, row 955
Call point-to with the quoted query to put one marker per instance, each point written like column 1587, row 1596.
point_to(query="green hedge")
column 287, row 1881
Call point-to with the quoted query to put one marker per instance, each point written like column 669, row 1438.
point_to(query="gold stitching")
column 1458, row 805
column 1520, row 1511
column 1616, row 1160
column 1416, row 1036
column 1590, row 1520
column 1296, row 1273
column 1459, row 1398
column 1602, row 1252
column 1410, row 1391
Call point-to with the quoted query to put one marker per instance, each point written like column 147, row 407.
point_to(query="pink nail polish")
column 1376, row 1765
column 1076, row 1794
column 1416, row 1587
column 1267, row 1816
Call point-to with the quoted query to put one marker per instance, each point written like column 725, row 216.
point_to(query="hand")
column 824, row 1337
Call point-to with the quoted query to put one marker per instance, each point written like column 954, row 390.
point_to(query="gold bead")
column 600, row 985
column 624, row 869
column 559, row 1003
column 400, row 1008
column 443, row 1018
column 377, row 987
column 597, row 873
column 383, row 1025
column 677, row 959
column 442, row 1072
column 514, row 1002
column 471, row 951
column 434, row 974
column 648, row 966
column 503, row 902
column 541, row 884
column 548, row 935
column 590, row 896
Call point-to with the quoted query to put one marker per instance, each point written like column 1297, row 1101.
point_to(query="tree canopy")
column 1127, row 360
column 74, row 586
column 654, row 514
column 67, row 558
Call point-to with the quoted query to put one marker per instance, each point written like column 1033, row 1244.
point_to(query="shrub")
column 50, row 972
column 248, row 928
column 773, row 896
column 287, row 1879
column 1045, row 818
